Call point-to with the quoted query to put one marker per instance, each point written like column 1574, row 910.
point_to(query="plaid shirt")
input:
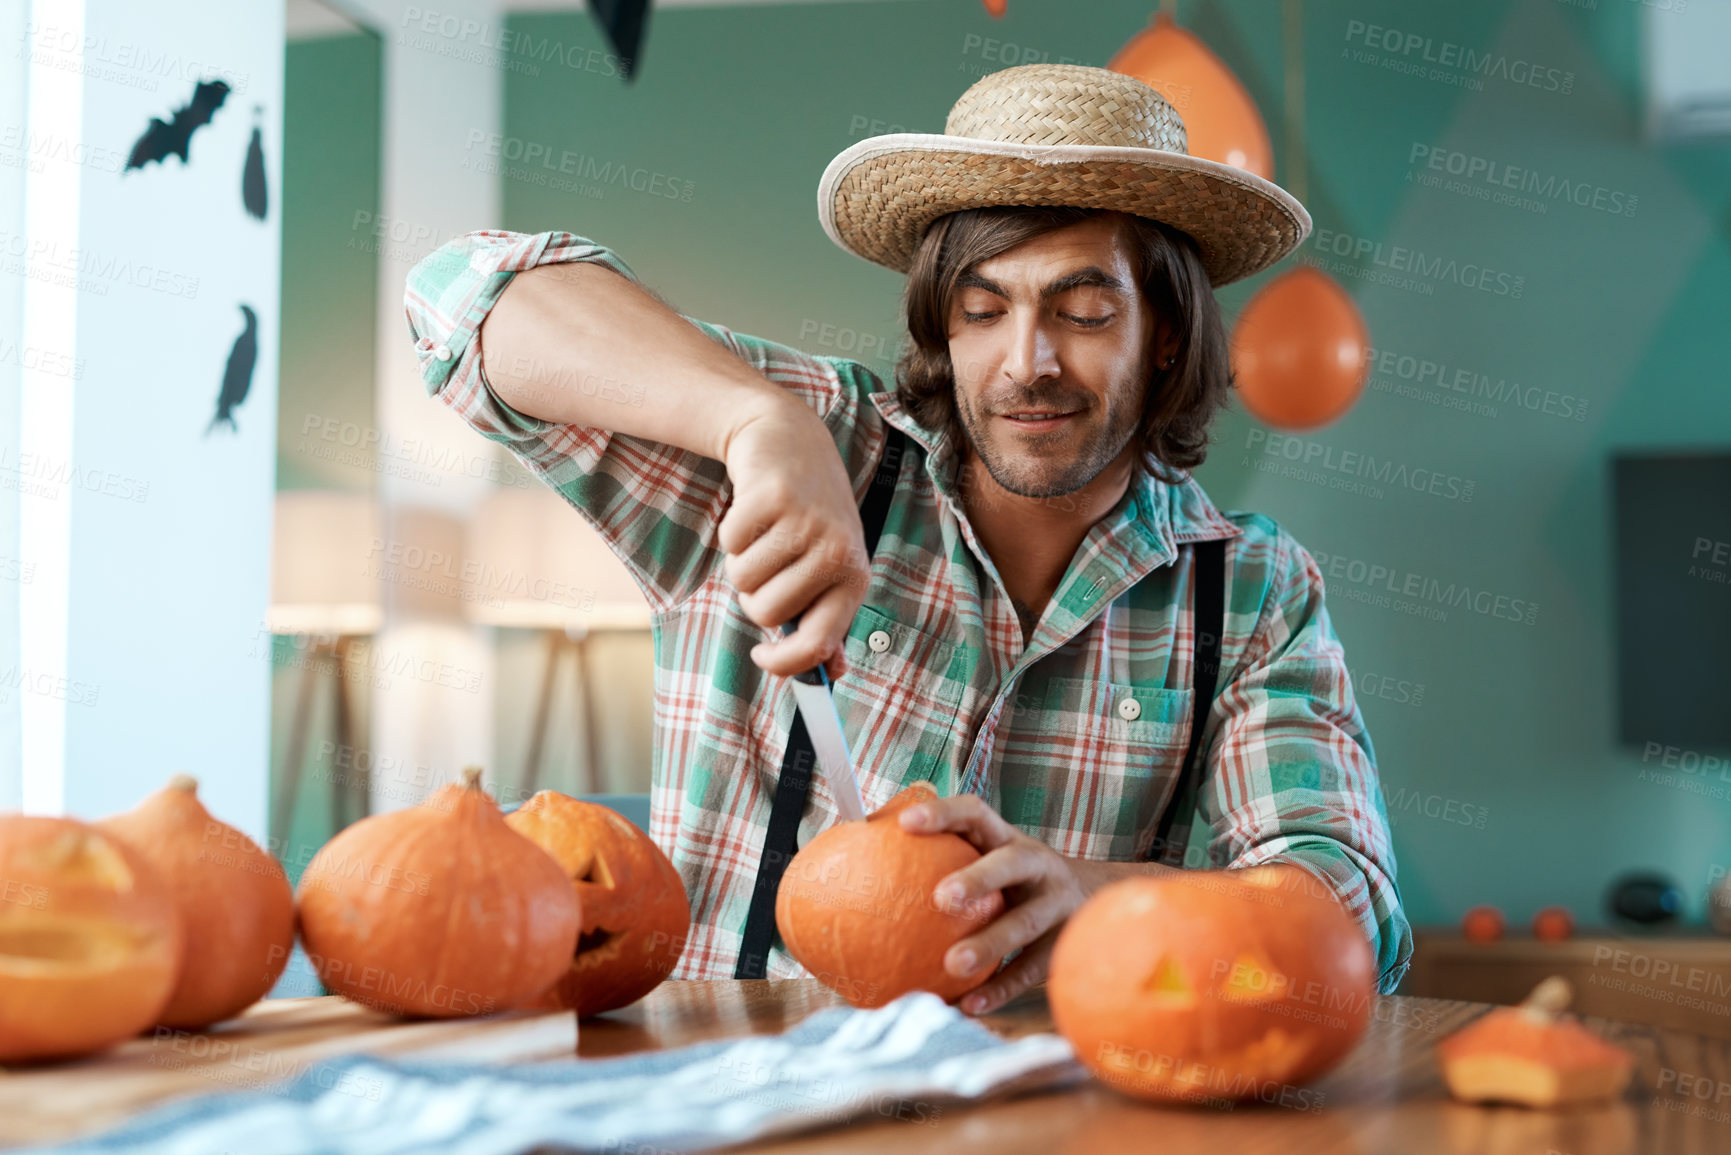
column 1076, row 737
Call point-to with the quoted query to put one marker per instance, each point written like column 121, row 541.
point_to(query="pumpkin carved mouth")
column 635, row 915
column 90, row 939
column 45, row 946
column 594, row 940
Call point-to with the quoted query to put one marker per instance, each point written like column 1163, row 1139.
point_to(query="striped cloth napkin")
column 914, row 1059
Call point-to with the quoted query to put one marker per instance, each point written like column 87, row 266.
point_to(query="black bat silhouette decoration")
column 254, row 194
column 237, row 378
column 163, row 139
column 624, row 22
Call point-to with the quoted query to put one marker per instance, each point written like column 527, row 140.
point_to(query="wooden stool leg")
column 543, row 710
column 592, row 781
column 289, row 781
column 353, row 800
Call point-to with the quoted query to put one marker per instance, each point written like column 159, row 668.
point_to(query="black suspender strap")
column 780, row 840
column 1207, row 624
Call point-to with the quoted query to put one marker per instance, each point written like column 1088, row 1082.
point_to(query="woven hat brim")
column 876, row 197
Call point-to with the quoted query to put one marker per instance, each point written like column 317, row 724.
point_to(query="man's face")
column 1051, row 344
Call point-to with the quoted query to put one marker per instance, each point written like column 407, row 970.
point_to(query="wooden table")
column 1387, row 1097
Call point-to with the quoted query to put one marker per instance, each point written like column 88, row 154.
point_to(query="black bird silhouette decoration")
column 163, row 139
column 253, row 192
column 237, row 378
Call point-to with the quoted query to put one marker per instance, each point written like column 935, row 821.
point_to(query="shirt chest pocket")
column 1088, row 766
column 898, row 702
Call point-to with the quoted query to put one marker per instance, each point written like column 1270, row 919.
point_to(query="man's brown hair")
column 1181, row 401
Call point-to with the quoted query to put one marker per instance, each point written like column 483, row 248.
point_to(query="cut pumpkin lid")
column 1535, row 1031
column 1563, row 1043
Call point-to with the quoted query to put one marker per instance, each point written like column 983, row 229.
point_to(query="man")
column 1022, row 636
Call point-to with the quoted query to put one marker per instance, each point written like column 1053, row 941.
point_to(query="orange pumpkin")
column 1218, row 984
column 233, row 898
column 1483, row 924
column 635, row 913
column 440, row 910
column 1531, row 1055
column 90, row 941
column 856, row 908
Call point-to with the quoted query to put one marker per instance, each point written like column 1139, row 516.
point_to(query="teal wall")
column 331, row 144
column 330, row 202
column 1513, row 731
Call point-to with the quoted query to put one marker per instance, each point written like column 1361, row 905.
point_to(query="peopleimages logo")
column 1353, row 463
column 1418, row 54
column 1390, row 587
column 1469, row 390
column 1498, row 175
column 534, row 155
column 484, row 43
column 61, row 149
column 1400, row 259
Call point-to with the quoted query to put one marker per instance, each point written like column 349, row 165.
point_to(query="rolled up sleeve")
column 658, row 506
column 1295, row 776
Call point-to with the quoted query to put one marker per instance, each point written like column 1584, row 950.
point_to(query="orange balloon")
column 1221, row 122
column 1553, row 924
column 1300, row 351
column 1482, row 924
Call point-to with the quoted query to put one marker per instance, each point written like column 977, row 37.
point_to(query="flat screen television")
column 1672, row 539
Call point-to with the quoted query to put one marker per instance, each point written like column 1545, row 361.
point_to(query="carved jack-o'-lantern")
column 635, row 912
column 90, row 940
column 1199, row 985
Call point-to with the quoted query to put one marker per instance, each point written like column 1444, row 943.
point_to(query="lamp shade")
column 322, row 579
column 421, row 564
column 537, row 564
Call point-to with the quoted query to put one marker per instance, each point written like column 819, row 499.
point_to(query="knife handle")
column 816, row 676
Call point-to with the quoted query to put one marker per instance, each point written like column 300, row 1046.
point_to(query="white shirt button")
column 1129, row 709
column 443, row 352
column 879, row 641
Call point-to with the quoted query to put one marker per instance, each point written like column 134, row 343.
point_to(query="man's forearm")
column 1094, row 875
column 565, row 342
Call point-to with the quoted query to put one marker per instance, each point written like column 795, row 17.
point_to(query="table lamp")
column 323, row 588
column 538, row 564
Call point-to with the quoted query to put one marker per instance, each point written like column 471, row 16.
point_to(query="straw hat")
column 1056, row 134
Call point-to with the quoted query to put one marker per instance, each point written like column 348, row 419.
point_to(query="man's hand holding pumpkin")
column 1041, row 889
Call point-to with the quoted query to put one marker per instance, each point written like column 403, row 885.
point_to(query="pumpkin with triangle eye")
column 1212, row 984
column 635, row 912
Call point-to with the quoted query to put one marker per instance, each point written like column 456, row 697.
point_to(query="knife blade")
column 812, row 694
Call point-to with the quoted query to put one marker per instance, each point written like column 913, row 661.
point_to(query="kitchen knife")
column 812, row 693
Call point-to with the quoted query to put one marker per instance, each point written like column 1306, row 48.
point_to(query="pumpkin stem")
column 184, row 782
column 471, row 777
column 1548, row 1000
